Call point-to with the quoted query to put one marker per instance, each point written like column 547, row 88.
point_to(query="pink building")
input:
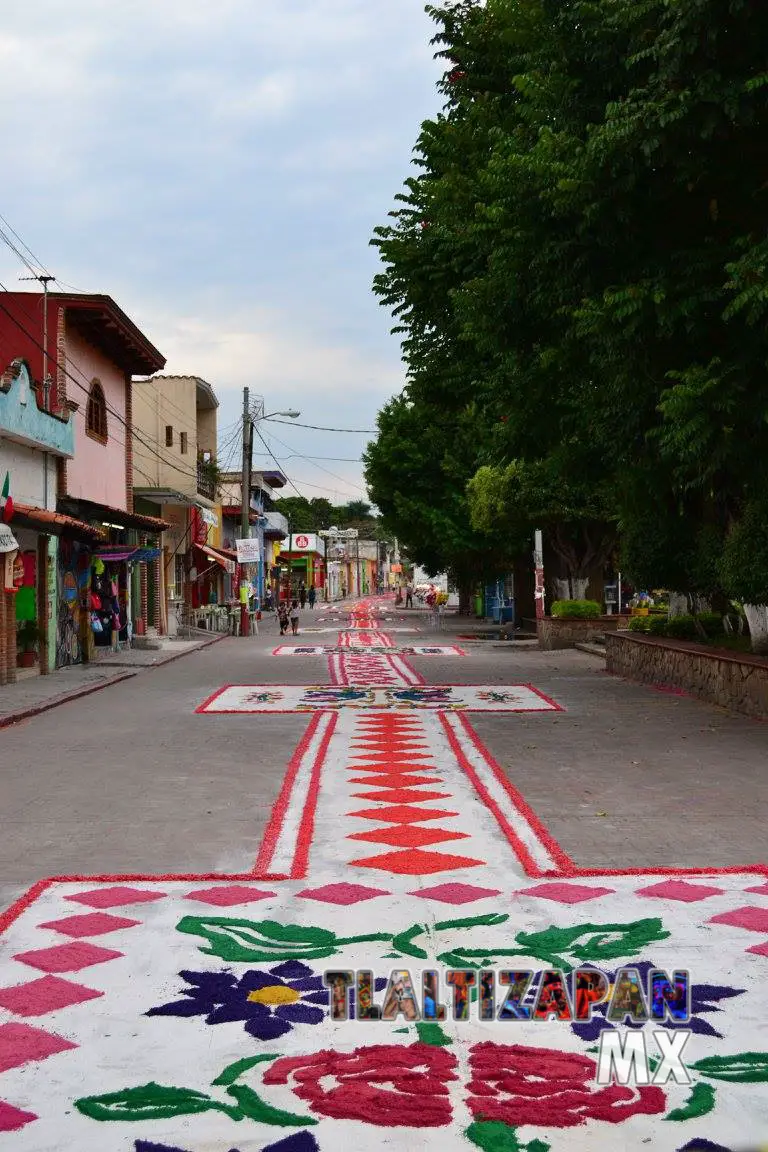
column 82, row 352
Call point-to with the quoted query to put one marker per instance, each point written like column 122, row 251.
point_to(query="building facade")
column 176, row 474
column 82, row 350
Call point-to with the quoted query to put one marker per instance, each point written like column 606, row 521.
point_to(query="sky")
column 218, row 168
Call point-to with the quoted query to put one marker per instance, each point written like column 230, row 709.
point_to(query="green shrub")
column 640, row 623
column 712, row 623
column 576, row 609
column 657, row 625
column 681, row 628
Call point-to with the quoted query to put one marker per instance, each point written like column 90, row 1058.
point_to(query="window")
column 169, row 436
column 183, row 443
column 96, row 413
column 178, row 576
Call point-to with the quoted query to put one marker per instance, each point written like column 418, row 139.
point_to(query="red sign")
column 302, row 541
column 18, row 572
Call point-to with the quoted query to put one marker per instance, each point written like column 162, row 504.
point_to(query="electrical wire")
column 351, row 483
column 318, row 428
column 336, row 459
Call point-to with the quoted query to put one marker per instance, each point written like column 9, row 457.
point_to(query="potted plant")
column 28, row 636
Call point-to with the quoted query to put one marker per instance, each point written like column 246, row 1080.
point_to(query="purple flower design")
column 704, row 998
column 299, row 1142
column 268, row 1002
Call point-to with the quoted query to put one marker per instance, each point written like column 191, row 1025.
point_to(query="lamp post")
column 251, row 417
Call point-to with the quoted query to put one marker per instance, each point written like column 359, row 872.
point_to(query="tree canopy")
column 579, row 274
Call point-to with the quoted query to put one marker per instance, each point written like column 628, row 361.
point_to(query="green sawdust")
column 493, row 1136
column 741, row 1068
column 700, row 1101
column 432, row 1034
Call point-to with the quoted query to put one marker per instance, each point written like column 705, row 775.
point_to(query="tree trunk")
column 465, row 599
column 678, row 605
column 562, row 589
column 757, row 618
column 579, row 586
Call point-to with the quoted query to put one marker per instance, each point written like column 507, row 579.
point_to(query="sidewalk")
column 37, row 694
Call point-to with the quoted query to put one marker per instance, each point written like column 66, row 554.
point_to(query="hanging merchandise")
column 98, row 566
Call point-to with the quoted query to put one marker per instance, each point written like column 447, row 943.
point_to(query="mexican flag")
column 6, row 501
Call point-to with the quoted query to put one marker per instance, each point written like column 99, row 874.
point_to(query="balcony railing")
column 206, row 484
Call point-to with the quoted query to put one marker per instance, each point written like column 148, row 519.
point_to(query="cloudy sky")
column 218, row 167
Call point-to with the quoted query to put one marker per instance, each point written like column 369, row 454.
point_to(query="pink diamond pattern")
column 760, row 949
column 48, row 994
column 11, row 1119
column 566, row 893
column 20, row 1043
column 456, row 893
column 66, row 957
column 680, row 890
column 753, row 919
column 90, row 924
column 342, row 893
column 761, row 889
column 226, row 895
column 113, row 896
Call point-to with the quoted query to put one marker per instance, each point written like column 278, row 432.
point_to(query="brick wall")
column 61, row 392
column 129, row 446
column 730, row 680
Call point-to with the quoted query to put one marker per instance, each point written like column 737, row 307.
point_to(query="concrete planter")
column 736, row 681
column 555, row 633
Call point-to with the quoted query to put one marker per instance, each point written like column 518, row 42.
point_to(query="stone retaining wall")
column 735, row 681
column 554, row 633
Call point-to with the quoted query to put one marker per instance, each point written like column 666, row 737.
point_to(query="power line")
column 52, row 359
column 279, row 465
column 351, row 483
column 336, row 459
column 318, row 428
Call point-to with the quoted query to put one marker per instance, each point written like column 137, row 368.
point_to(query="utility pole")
column 245, row 506
column 45, row 280
column 290, row 560
column 538, row 560
column 357, row 559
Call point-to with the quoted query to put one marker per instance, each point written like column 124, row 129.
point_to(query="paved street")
column 130, row 779
column 299, row 778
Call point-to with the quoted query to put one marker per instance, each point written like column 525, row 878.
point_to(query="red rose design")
column 388, row 1084
column 547, row 1088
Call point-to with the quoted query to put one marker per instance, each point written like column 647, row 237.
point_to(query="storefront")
column 302, row 562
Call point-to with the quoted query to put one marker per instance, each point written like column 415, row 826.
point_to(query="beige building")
column 175, row 431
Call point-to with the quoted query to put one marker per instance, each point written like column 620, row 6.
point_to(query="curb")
column 46, row 705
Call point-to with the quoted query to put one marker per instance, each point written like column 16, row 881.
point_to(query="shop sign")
column 304, row 542
column 9, row 566
column 247, row 551
column 8, row 542
column 208, row 517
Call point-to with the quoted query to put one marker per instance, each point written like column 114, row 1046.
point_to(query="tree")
column 579, row 517
column 417, row 471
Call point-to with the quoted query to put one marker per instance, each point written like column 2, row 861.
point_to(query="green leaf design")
column 741, row 1068
column 431, row 1033
column 151, row 1102
column 700, row 1101
column 233, row 1071
column 404, row 941
column 494, row 1136
column 592, row 942
column 245, row 941
column 252, row 1106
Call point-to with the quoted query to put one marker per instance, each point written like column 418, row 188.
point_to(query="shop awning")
column 115, row 554
column 235, row 512
column 116, row 516
column 227, row 560
column 54, row 523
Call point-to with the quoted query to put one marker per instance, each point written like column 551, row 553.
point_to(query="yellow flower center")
column 275, row 994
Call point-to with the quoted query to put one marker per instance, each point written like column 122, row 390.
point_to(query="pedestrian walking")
column 282, row 617
column 268, row 600
column 409, row 595
column 312, row 596
column 302, row 594
column 294, row 615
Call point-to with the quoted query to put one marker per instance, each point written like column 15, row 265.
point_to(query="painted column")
column 53, row 599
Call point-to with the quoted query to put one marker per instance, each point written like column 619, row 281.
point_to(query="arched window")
column 96, row 413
